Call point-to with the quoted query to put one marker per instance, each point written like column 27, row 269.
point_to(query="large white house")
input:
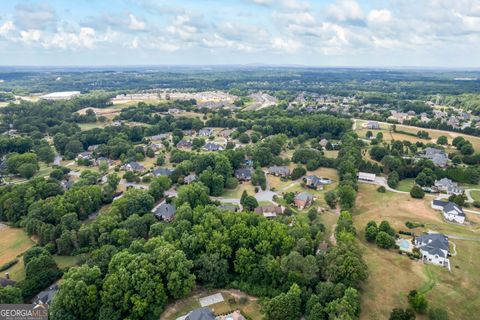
column 434, row 249
column 450, row 210
column 448, row 186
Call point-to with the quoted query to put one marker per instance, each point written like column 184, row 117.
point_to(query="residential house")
column 66, row 184
column 162, row 172
column 451, row 211
column 211, row 146
column 248, row 163
column 190, row 178
column 184, row 144
column 86, row 155
column 205, row 132
column 437, row 156
column 201, row 314
column 225, row 133
column 303, row 200
column 434, row 249
column 46, row 296
column 453, row 122
column 156, row 146
column 7, row 281
column 279, row 171
column 314, row 182
column 133, row 166
column 159, row 137
column 188, row 133
column 270, row 211
column 364, row 176
column 323, row 143
column 448, row 186
column 244, row 174
column 373, row 125
column 174, row 111
column 165, row 211
column 93, row 147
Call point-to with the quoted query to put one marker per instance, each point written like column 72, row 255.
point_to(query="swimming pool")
column 404, row 244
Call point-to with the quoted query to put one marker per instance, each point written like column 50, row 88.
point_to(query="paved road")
column 381, row 181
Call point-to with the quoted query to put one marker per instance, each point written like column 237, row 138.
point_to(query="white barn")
column 364, row 176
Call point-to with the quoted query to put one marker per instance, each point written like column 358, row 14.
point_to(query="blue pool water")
column 404, row 244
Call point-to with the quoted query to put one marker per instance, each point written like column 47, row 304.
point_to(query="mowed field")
column 13, row 242
column 392, row 276
column 434, row 134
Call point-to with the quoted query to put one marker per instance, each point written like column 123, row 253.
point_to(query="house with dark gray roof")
column 282, row 171
column 133, row 166
column 317, row 183
column 184, row 144
column 434, row 248
column 205, row 132
column 201, row 314
column 7, row 281
column 165, row 211
column 211, row 146
column 162, row 172
column 448, row 186
column 243, row 174
column 46, row 296
column 437, row 156
column 451, row 211
column 190, row 178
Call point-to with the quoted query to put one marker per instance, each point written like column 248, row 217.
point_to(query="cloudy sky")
column 443, row 33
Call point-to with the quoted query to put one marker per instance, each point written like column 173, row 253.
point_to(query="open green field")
column 13, row 242
column 251, row 308
column 392, row 276
column 475, row 195
column 434, row 134
column 237, row 192
column 406, row 185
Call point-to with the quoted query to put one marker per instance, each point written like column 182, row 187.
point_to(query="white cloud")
column 183, row 28
column 85, row 38
column 6, row 27
column 286, row 45
column 135, row 23
column 30, row 36
column 379, row 16
column 345, row 11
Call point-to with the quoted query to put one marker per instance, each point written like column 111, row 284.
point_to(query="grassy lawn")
column 475, row 195
column 66, row 261
column 434, row 134
column 392, row 276
column 331, row 154
column 92, row 125
column 237, row 192
column 182, row 307
column 13, row 242
column 406, row 185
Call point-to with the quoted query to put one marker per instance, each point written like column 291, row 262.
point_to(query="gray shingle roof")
column 201, row 314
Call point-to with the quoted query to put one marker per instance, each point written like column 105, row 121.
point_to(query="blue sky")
column 442, row 33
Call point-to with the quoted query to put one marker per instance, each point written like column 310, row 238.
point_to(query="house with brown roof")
column 270, row 211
